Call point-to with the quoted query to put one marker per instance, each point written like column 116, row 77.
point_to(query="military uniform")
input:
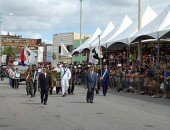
column 29, row 83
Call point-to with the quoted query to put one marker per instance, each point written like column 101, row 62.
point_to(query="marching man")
column 65, row 77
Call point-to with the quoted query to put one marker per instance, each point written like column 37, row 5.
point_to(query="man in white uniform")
column 65, row 77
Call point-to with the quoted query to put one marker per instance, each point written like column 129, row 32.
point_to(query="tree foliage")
column 9, row 51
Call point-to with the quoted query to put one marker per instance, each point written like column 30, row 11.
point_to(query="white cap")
column 79, row 65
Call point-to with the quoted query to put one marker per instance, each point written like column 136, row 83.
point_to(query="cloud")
column 57, row 16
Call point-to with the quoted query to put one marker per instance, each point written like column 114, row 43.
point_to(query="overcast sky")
column 43, row 18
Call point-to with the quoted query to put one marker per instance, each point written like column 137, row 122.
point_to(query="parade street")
column 115, row 111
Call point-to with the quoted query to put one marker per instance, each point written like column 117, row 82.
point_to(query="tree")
column 10, row 52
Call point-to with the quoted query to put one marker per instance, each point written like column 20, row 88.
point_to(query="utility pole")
column 139, row 27
column 81, row 1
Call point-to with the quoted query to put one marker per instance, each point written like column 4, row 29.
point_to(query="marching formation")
column 64, row 77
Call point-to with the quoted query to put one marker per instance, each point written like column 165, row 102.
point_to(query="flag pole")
column 100, row 54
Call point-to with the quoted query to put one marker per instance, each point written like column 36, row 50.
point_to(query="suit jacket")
column 44, row 82
column 91, row 80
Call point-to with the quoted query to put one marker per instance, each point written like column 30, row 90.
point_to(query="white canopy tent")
column 96, row 33
column 126, row 22
column 108, row 29
column 152, row 30
column 147, row 17
column 163, row 34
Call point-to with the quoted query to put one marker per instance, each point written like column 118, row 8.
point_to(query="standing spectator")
column 44, row 80
column 166, row 88
column 10, row 73
column 13, row 78
column 119, row 77
column 2, row 74
column 17, row 78
column 90, row 84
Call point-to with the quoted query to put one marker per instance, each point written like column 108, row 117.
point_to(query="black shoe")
column 41, row 102
column 45, row 103
column 63, row 95
column 87, row 100
column 91, row 101
column 104, row 94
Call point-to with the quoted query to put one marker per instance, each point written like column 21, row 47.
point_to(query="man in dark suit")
column 90, row 84
column 44, row 80
column 105, row 79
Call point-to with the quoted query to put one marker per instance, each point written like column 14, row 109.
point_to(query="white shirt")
column 10, row 72
column 67, row 74
column 17, row 74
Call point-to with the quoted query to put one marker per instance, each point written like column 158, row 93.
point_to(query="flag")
column 27, row 56
column 92, row 59
column 64, row 51
column 30, row 56
column 23, row 56
column 99, row 51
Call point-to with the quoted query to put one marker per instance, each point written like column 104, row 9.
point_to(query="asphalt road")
column 116, row 111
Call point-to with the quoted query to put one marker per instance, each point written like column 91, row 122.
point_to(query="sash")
column 65, row 70
column 104, row 74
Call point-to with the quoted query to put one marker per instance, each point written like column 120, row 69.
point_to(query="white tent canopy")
column 126, row 22
column 165, row 33
column 153, row 28
column 96, row 33
column 108, row 29
column 147, row 17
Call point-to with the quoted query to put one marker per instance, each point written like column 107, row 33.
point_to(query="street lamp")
column 1, row 20
column 81, row 1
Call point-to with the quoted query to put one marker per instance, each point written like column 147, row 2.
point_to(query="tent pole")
column 139, row 27
column 100, row 54
column 128, row 53
column 107, row 56
column 158, row 49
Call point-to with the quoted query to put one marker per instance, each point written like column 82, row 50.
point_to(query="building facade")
column 68, row 39
column 17, row 42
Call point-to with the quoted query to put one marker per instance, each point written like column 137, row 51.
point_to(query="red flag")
column 22, row 56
